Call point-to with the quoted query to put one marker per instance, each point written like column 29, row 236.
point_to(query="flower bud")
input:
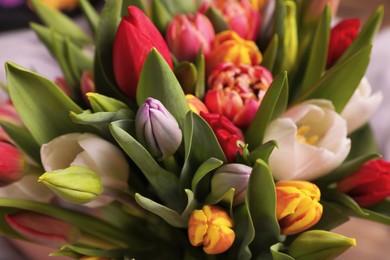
column 43, row 229
column 211, row 227
column 297, row 206
column 229, row 176
column 87, row 84
column 227, row 134
column 341, row 36
column 76, row 184
column 12, row 164
column 157, row 129
column 61, row 4
column 135, row 38
column 236, row 91
column 228, row 46
column 195, row 104
column 8, row 114
column 101, row 103
column 370, row 184
column 187, row 34
column 319, row 244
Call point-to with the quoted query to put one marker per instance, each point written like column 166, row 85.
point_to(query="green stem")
column 171, row 165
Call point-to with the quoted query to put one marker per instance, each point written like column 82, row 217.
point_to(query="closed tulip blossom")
column 341, row 37
column 312, row 141
column 135, row 38
column 236, row 91
column 157, row 129
column 12, row 164
column 361, row 106
column 43, row 229
column 240, row 16
column 228, row 46
column 211, row 227
column 297, row 206
column 370, row 184
column 93, row 153
column 229, row 176
column 9, row 115
column 187, row 34
column 227, row 134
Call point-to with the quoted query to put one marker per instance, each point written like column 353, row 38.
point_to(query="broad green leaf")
column 261, row 204
column 179, row 6
column 345, row 169
column 205, row 168
column 329, row 84
column 60, row 23
column 200, row 144
column 279, row 29
column 192, row 204
column 164, row 183
column 138, row 3
column 200, row 86
column 43, row 107
column 365, row 36
column 343, row 199
column 23, row 140
column 245, row 232
column 160, row 16
column 158, row 81
column 187, row 75
column 91, row 15
column 262, row 152
column 169, row 215
column 277, row 255
column 363, row 142
column 84, row 222
column 270, row 53
column 226, row 197
column 273, row 105
column 318, row 51
column 78, row 61
column 217, row 20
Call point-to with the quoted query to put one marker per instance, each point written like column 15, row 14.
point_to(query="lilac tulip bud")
column 229, row 176
column 157, row 129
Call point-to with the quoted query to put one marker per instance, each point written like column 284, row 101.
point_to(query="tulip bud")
column 12, row 164
column 157, row 129
column 76, row 184
column 297, row 206
column 211, row 227
column 236, row 91
column 101, row 103
column 8, row 114
column 319, row 244
column 135, row 38
column 61, row 4
column 87, row 84
column 227, row 134
column 228, row 46
column 195, row 104
column 187, row 34
column 341, row 36
column 229, row 176
column 370, row 184
column 43, row 229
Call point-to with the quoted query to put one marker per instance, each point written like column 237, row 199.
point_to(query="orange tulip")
column 195, row 104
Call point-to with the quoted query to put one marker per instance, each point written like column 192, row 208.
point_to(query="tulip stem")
column 126, row 199
column 171, row 165
column 93, row 241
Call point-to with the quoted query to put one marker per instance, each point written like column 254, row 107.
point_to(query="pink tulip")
column 135, row 38
column 187, row 34
column 236, row 91
column 12, row 164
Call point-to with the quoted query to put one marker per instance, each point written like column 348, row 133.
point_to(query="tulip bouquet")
column 226, row 129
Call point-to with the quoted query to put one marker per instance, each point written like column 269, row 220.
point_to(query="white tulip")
column 92, row 152
column 361, row 106
column 312, row 141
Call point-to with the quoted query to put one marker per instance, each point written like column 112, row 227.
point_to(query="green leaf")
column 43, row 107
column 279, row 28
column 78, row 61
column 331, row 80
column 262, row 152
column 245, row 232
column 318, row 51
column 164, row 183
column 169, row 91
column 273, row 105
column 99, row 253
column 187, row 75
column 333, row 215
column 138, row 3
column 217, row 20
column 345, row 169
column 382, row 207
column 261, row 204
column 200, row 86
column 91, row 15
column 84, row 222
column 61, row 23
column 344, row 200
column 23, row 140
column 363, row 142
column 277, row 255
column 270, row 53
column 160, row 16
column 179, row 6
column 205, row 168
column 374, row 216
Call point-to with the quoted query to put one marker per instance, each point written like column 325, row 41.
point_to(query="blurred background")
column 20, row 45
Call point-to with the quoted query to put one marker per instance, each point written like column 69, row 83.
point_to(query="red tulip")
column 341, row 36
column 12, row 164
column 368, row 185
column 135, row 37
column 227, row 134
